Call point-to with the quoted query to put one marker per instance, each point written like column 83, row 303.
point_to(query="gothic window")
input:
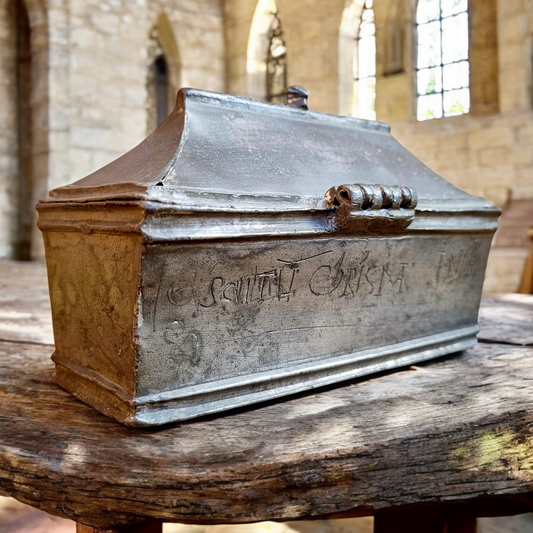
column 442, row 66
column 364, row 65
column 161, row 88
column 158, row 91
column 276, row 78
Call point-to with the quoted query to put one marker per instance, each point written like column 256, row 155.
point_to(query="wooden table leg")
column 149, row 527
column 416, row 522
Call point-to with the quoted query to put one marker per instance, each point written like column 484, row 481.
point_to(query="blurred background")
column 83, row 81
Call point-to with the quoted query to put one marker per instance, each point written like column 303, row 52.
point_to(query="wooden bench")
column 507, row 267
column 424, row 449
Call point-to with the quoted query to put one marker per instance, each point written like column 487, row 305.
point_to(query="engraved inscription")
column 222, row 310
column 277, row 283
column 337, row 275
column 342, row 279
column 457, row 266
column 185, row 344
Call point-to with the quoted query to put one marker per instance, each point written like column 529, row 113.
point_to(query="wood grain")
column 453, row 432
column 24, row 303
column 507, row 318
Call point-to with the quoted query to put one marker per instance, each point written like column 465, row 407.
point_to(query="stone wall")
column 488, row 152
column 89, row 86
column 311, row 30
column 90, row 62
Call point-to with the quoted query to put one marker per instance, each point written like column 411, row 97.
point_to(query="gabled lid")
column 218, row 149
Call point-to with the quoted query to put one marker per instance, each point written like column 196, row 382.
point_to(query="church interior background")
column 84, row 81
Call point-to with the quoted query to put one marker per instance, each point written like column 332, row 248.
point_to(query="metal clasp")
column 297, row 97
column 371, row 207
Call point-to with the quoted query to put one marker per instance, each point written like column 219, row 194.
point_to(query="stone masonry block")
column 84, row 137
column 490, row 138
column 522, row 156
column 493, row 157
column 525, row 134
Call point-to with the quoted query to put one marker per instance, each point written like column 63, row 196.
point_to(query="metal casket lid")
column 228, row 151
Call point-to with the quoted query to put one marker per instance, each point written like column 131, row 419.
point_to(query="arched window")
column 276, row 71
column 442, row 66
column 160, row 75
column 158, row 91
column 364, row 65
column 164, row 72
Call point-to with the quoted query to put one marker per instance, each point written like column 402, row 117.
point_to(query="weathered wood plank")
column 507, row 318
column 451, row 432
column 24, row 303
column 457, row 430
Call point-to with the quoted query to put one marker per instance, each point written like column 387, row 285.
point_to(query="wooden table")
column 424, row 449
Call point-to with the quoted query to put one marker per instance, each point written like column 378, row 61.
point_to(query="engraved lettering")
column 266, row 279
column 348, row 286
column 370, row 282
column 454, row 267
column 286, row 294
column 212, row 293
column 229, row 287
column 347, row 282
column 179, row 296
column 386, row 276
column 326, row 279
column 336, row 275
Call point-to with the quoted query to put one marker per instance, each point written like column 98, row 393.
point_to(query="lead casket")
column 245, row 251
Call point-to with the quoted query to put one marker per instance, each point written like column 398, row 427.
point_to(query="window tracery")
column 276, row 67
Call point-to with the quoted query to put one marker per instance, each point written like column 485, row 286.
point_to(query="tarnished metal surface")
column 297, row 97
column 213, row 266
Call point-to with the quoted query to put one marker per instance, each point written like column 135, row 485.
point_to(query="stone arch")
column 258, row 43
column 393, row 42
column 169, row 44
column 163, row 49
column 348, row 33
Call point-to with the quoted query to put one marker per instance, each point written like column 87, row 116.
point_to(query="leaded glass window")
column 276, row 63
column 364, row 66
column 443, row 70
